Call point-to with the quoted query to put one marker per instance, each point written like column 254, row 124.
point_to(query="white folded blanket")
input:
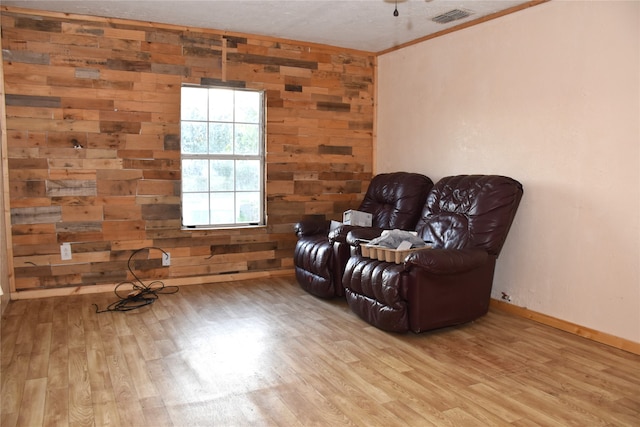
column 393, row 238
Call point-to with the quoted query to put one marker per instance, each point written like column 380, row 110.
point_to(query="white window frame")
column 261, row 156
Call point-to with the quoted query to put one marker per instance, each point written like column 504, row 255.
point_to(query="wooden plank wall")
column 93, row 144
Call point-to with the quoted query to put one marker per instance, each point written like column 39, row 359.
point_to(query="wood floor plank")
column 39, row 360
column 14, row 377
column 143, row 336
column 172, row 374
column 142, row 383
column 58, row 370
column 56, row 409
column 311, row 407
column 407, row 416
column 75, row 325
column 414, row 396
column 155, row 412
column 46, row 310
column 272, row 408
column 265, row 353
column 127, row 402
column 528, row 410
column 165, row 382
column 366, row 412
column 628, row 410
column 460, row 417
column 33, row 399
column 80, row 394
column 492, row 400
column 105, row 409
column 10, row 330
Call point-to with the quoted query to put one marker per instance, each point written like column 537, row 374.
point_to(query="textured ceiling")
column 367, row 25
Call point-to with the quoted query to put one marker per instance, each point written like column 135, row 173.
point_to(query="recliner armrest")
column 340, row 233
column 446, row 261
column 311, row 227
column 358, row 235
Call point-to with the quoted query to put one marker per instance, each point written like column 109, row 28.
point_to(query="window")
column 222, row 155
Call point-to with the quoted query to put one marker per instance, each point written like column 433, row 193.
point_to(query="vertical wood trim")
column 374, row 130
column 6, row 247
column 224, row 59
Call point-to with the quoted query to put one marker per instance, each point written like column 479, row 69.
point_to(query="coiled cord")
column 137, row 293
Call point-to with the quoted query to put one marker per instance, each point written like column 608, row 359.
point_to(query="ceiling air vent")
column 452, row 15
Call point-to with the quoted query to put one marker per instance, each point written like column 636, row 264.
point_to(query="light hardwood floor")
column 264, row 352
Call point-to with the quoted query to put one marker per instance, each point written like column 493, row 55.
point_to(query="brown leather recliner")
column 467, row 219
column 394, row 200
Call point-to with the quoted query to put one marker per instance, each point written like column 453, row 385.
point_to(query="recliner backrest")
column 395, row 199
column 470, row 211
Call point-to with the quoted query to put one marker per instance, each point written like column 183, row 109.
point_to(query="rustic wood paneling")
column 93, row 130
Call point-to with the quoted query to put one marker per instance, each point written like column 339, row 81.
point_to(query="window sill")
column 239, row 227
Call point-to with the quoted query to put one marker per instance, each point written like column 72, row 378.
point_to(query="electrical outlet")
column 65, row 251
column 166, row 259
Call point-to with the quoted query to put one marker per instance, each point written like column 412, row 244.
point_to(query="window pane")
column 195, row 209
column 193, row 137
column 248, row 207
column 221, row 175
column 220, row 105
column 222, row 156
column 195, row 176
column 248, row 175
column 222, row 208
column 247, row 107
column 247, row 139
column 221, row 138
column 193, row 105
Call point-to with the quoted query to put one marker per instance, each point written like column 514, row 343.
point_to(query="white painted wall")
column 550, row 96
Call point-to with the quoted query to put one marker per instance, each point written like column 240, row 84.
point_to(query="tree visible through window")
column 222, row 154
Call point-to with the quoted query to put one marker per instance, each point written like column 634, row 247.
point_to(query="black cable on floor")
column 137, row 293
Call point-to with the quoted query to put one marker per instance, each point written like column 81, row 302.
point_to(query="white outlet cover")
column 65, row 251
